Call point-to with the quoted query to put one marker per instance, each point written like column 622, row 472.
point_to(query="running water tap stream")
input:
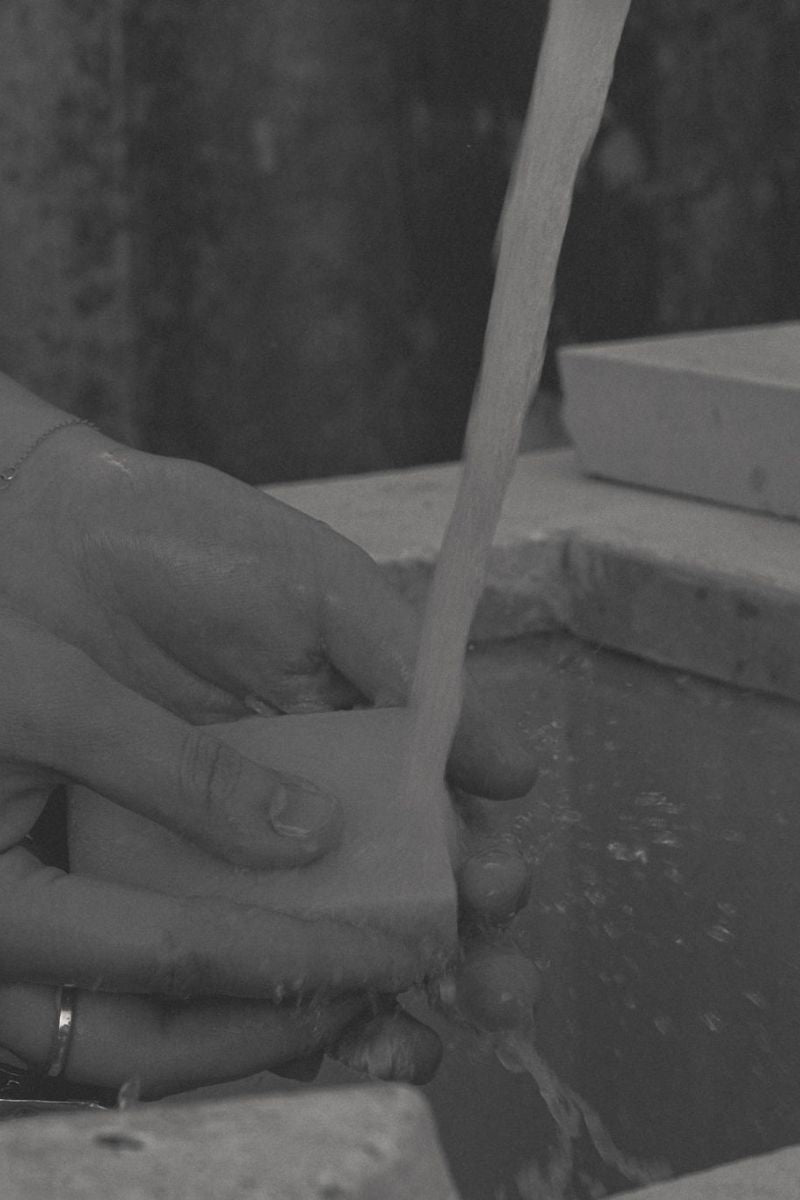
column 573, row 76
column 572, row 80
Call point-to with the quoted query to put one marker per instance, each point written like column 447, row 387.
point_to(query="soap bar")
column 714, row 415
column 391, row 871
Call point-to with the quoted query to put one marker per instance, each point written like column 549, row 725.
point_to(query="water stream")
column 572, row 1115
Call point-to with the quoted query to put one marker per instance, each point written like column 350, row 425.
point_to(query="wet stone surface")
column 664, row 831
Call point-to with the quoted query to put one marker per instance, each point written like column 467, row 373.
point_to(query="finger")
column 390, row 1045
column 371, row 634
column 304, row 619
column 236, row 602
column 495, row 988
column 68, row 928
column 487, row 758
column 75, row 720
column 167, row 1048
column 494, row 882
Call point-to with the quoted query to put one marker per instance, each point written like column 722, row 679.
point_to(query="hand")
column 142, row 598
column 169, row 1047
column 492, row 987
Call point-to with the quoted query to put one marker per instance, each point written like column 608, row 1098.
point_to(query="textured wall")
column 273, row 248
column 690, row 209
column 65, row 315
column 260, row 233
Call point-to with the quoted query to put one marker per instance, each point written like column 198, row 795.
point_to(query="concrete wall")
column 260, row 233
column 66, row 321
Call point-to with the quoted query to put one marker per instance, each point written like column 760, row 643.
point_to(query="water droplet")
column 650, row 799
column 508, row 1057
column 666, row 839
column 623, row 853
column 128, row 1095
column 712, row 1021
column 720, row 933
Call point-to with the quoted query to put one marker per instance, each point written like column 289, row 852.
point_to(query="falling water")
column 570, row 1114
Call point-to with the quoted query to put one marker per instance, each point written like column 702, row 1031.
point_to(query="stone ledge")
column 359, row 1143
column 690, row 584
column 768, row 1177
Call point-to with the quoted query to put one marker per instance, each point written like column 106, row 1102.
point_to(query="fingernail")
column 299, row 814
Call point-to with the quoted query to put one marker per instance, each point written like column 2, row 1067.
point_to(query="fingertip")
column 494, row 883
column 496, row 989
column 492, row 764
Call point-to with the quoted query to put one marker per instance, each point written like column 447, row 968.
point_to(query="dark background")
column 259, row 233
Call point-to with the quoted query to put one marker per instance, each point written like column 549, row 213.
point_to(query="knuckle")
column 223, row 815
column 210, row 773
column 180, row 968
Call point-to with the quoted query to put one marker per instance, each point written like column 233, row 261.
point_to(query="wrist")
column 37, row 469
column 23, row 418
column 10, row 471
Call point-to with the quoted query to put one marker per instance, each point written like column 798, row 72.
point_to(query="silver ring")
column 59, row 1046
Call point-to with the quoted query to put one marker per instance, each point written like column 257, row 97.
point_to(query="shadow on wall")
column 261, row 234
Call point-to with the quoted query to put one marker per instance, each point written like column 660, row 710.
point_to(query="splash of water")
column 570, row 1113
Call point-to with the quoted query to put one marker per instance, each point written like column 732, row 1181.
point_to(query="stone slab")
column 714, row 415
column 699, row 586
column 358, row 1143
column 768, row 1177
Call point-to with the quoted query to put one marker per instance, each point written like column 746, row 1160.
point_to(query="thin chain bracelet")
column 7, row 477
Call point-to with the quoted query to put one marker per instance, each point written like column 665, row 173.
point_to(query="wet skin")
column 141, row 599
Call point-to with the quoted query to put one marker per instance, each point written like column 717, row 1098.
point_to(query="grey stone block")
column 768, row 1177
column 715, row 415
column 361, row 1143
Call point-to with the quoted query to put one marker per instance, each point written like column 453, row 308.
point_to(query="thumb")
column 106, row 736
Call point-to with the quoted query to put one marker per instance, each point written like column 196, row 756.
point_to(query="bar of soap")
column 714, row 415
column 392, row 870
